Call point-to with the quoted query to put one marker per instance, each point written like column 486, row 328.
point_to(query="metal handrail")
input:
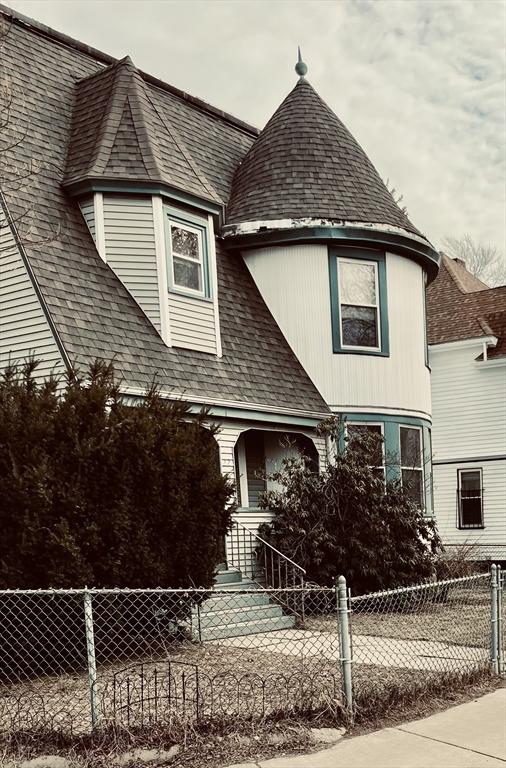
column 259, row 538
column 269, row 567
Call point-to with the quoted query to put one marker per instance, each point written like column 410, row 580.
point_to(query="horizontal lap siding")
column 192, row 323
column 494, row 505
column 130, row 249
column 24, row 328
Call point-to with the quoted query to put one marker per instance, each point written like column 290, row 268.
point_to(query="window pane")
column 412, row 484
column 187, row 274
column 359, row 326
column 357, row 430
column 470, row 481
column 470, row 509
column 185, row 243
column 411, row 452
column 357, row 283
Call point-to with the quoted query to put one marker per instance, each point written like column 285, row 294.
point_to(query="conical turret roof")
column 306, row 164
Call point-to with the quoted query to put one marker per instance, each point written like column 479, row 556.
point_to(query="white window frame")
column 460, row 524
column 359, row 262
column 421, row 468
column 379, row 424
column 173, row 222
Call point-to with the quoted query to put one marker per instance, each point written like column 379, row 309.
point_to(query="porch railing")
column 261, row 562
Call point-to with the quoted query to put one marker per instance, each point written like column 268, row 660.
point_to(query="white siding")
column 492, row 538
column 294, row 281
column 130, row 249
column 24, row 328
column 88, row 210
column 468, row 404
column 469, row 422
column 192, row 323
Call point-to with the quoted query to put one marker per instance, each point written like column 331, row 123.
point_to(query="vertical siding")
column 130, row 249
column 24, row 329
column 192, row 323
column 88, row 210
column 294, row 281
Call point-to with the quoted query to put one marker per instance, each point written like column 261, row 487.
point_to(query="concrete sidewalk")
column 471, row 735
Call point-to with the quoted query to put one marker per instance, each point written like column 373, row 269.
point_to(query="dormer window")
column 187, row 262
column 358, row 295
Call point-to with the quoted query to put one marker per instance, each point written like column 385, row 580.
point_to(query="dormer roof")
column 118, row 133
column 306, row 164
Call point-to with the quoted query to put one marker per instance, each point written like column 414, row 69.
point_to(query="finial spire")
column 300, row 67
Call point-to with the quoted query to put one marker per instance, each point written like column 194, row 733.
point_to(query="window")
column 378, row 460
column 187, row 266
column 470, row 498
column 412, row 463
column 358, row 291
column 358, row 301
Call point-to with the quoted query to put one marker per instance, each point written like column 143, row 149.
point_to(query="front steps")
column 234, row 614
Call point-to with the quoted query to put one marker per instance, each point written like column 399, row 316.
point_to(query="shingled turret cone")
column 306, row 164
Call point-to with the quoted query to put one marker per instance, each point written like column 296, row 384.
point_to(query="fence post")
column 344, row 636
column 90, row 653
column 494, row 639
column 500, row 660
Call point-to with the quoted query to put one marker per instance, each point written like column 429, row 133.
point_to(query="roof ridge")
column 173, row 133
column 112, row 118
column 452, row 266
column 105, row 58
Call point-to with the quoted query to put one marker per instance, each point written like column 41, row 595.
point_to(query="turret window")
column 358, row 290
column 358, row 295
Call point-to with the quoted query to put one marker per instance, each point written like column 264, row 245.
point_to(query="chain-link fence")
column 74, row 659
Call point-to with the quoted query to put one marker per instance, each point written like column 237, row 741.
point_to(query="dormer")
column 149, row 208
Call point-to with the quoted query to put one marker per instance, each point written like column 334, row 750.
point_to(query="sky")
column 419, row 83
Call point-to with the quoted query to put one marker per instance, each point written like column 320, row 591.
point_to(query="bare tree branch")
column 485, row 261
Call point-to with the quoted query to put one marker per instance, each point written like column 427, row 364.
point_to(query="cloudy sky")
column 420, row 83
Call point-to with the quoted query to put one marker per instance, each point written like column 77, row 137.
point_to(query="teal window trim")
column 425, row 340
column 173, row 216
column 358, row 254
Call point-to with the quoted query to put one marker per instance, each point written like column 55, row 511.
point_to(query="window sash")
column 174, row 254
column 470, row 500
column 380, row 425
column 375, row 306
column 405, row 467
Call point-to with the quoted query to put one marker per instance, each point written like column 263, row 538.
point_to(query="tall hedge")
column 94, row 491
column 347, row 520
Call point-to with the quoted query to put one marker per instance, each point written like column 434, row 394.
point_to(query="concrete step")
column 230, row 576
column 237, row 585
column 233, row 599
column 247, row 628
column 254, row 614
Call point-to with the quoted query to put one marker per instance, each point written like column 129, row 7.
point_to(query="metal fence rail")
column 71, row 660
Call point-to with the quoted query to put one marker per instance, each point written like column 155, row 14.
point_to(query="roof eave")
column 88, row 185
column 300, row 231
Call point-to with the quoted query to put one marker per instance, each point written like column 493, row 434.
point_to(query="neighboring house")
column 467, row 338
column 268, row 275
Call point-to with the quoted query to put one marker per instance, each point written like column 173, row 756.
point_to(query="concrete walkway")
column 367, row 649
column 471, row 735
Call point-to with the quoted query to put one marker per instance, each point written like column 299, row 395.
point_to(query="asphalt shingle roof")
column 305, row 163
column 93, row 312
column 460, row 306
